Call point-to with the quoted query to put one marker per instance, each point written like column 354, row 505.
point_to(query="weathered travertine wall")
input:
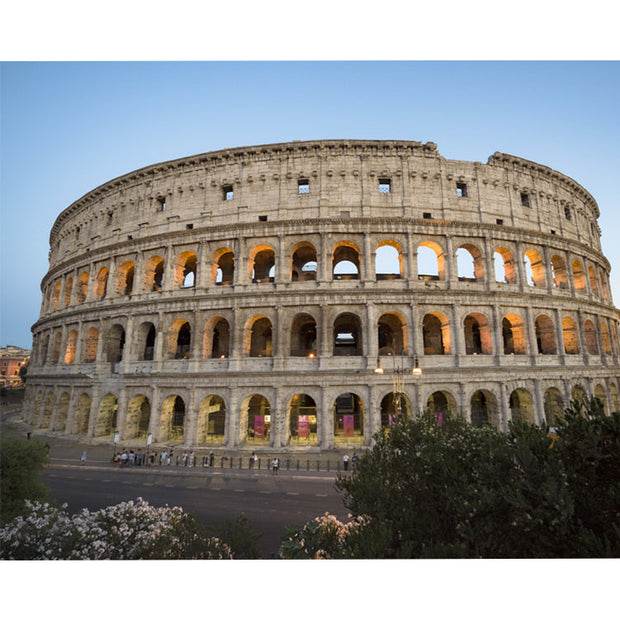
column 245, row 297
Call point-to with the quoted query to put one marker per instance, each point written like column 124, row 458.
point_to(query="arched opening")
column 56, row 297
column 256, row 413
column 106, row 418
column 513, row 335
column 522, row 406
column 477, row 332
column 71, row 347
column 259, row 338
column 591, row 337
column 304, row 263
column 216, row 339
column 604, row 285
column 394, row 406
column 504, row 264
column 391, row 333
column 185, row 267
column 101, row 284
column 615, row 403
column 179, row 340
column 578, row 394
column 436, row 334
column 115, row 344
column 534, row 268
column 62, row 411
column 303, row 336
column 81, row 417
column 90, row 345
column 570, row 336
column 545, row 335
column 601, row 394
column 36, row 409
column 56, row 351
column 146, row 342
column 441, row 403
column 558, row 269
column 263, row 261
column 579, row 277
column 224, row 267
column 82, row 289
column 593, row 281
column 211, row 420
column 346, row 262
column 153, row 274
column 138, row 417
column 302, row 420
column 67, row 292
column 348, row 419
column 605, row 337
column 48, row 409
column 172, row 419
column 388, row 261
column 124, row 278
column 431, row 261
column 347, row 335
column 469, row 263
column 553, row 405
column 483, row 408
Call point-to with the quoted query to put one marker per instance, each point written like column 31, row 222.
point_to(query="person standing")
column 275, row 465
column 345, row 460
column 83, row 457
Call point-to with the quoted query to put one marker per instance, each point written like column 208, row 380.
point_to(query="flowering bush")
column 442, row 488
column 127, row 531
column 323, row 538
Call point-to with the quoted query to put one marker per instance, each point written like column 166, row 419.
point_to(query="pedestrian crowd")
column 129, row 458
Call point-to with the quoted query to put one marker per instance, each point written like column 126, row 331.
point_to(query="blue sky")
column 67, row 127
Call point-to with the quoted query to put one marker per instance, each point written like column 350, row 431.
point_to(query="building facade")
column 244, row 298
column 12, row 362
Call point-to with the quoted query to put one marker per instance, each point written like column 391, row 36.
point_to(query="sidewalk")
column 65, row 451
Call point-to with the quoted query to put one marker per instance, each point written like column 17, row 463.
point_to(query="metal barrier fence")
column 235, row 462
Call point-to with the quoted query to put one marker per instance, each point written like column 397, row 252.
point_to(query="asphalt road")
column 270, row 502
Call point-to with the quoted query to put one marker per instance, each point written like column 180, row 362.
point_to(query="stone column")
column 327, row 421
column 539, row 402
column 371, row 345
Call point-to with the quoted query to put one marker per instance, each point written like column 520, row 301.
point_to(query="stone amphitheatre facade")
column 244, row 298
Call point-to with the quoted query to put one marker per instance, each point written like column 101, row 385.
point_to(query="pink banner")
column 348, row 423
column 259, row 426
column 302, row 426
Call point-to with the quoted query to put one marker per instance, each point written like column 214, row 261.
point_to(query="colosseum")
column 299, row 296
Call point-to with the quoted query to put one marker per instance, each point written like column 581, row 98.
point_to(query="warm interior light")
column 311, row 355
column 379, row 370
column 416, row 368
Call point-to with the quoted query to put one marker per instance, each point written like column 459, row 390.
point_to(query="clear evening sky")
column 68, row 127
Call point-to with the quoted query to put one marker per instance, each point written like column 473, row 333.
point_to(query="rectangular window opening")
column 262, row 218
column 303, row 186
column 461, row 190
column 227, row 192
column 499, row 222
column 161, row 202
column 525, row 199
column 385, row 186
column 189, row 226
column 427, row 216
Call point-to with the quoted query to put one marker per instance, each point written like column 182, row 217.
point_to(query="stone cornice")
column 523, row 165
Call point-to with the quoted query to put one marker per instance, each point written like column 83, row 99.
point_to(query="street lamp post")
column 398, row 375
